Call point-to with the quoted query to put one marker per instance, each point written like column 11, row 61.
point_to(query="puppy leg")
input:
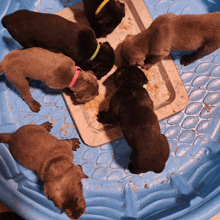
column 132, row 168
column 110, row 116
column 47, row 125
column 204, row 50
column 22, row 85
column 75, row 143
column 153, row 59
column 72, row 144
column 107, row 117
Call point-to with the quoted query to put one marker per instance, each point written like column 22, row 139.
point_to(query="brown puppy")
column 52, row 159
column 170, row 32
column 57, row 71
column 132, row 107
column 57, row 34
column 104, row 15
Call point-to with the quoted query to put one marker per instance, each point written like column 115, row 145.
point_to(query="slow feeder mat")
column 165, row 85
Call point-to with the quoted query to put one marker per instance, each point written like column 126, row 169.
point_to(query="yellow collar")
column 96, row 52
column 101, row 6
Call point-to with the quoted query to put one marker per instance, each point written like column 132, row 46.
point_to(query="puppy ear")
column 143, row 76
column 145, row 80
column 54, row 195
column 82, row 175
column 75, row 94
column 122, row 5
column 107, row 44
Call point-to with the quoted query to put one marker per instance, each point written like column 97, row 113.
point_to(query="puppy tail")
column 5, row 138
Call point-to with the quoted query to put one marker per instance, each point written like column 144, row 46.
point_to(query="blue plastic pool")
column 189, row 186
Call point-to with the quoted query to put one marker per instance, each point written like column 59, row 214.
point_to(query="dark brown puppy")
column 52, row 32
column 132, row 107
column 170, row 32
column 57, row 71
column 104, row 16
column 52, row 159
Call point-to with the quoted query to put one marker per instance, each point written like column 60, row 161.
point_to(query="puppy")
column 104, row 15
column 52, row 32
column 170, row 32
column 57, row 71
column 52, row 159
column 132, row 108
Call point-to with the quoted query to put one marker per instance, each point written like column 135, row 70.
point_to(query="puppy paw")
column 131, row 167
column 185, row 60
column 102, row 117
column 35, row 106
column 47, row 125
column 75, row 143
column 146, row 66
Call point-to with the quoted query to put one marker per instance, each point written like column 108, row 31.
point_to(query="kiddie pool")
column 188, row 188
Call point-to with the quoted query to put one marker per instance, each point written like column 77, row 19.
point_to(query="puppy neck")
column 95, row 53
column 80, row 79
column 132, row 84
column 101, row 6
column 55, row 168
column 75, row 76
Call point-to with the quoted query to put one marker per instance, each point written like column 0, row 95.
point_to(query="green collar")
column 96, row 52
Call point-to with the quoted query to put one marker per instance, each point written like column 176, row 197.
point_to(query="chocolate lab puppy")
column 52, row 32
column 57, row 71
column 52, row 159
column 132, row 108
column 104, row 15
column 171, row 32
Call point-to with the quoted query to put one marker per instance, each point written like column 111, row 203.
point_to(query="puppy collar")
column 96, row 52
column 75, row 76
column 101, row 6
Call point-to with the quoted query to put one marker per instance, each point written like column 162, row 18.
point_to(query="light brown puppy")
column 52, row 159
column 56, row 70
column 170, row 32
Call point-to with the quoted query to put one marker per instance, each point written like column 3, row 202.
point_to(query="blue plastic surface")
column 188, row 188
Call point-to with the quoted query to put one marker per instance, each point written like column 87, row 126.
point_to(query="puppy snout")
column 122, row 5
column 75, row 214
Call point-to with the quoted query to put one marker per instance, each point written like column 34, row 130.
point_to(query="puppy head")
column 152, row 158
column 86, row 87
column 104, row 60
column 127, row 74
column 67, row 192
column 110, row 17
column 132, row 53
